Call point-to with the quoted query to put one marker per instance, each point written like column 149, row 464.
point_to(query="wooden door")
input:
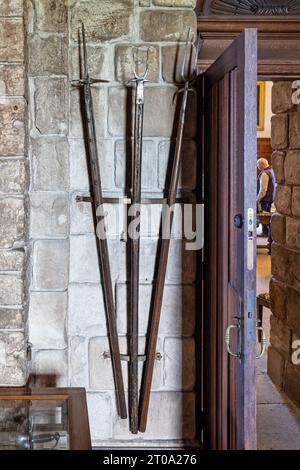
column 230, row 271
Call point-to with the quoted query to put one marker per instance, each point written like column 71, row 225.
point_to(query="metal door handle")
column 263, row 342
column 227, row 340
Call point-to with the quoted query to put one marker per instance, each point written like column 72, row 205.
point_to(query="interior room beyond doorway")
column 278, row 420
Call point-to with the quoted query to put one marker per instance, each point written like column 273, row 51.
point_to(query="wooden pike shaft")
column 134, row 267
column 161, row 274
column 102, row 246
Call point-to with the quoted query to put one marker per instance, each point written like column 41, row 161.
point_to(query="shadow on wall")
column 44, row 380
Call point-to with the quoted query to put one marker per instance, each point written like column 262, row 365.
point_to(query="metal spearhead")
column 86, row 80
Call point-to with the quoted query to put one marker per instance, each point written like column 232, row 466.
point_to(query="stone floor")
column 278, row 421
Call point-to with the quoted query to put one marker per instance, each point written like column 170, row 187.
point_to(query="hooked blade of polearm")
column 139, row 80
column 102, row 246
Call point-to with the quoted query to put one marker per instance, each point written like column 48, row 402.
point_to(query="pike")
column 136, row 173
column 157, row 296
column 102, row 246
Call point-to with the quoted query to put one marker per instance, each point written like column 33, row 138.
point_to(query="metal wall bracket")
column 28, row 350
column 126, row 357
column 127, row 200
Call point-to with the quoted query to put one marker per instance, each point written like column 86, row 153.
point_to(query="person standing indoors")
column 266, row 185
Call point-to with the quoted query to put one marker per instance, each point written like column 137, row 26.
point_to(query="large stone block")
column 78, row 365
column 11, row 7
column 50, row 169
column 295, row 130
column 282, row 97
column 292, row 383
column 76, row 123
column 172, row 59
column 100, row 368
column 12, row 176
column 103, row 21
column 12, row 219
column 177, row 313
column 78, row 164
column 280, row 262
column 101, row 429
column 149, row 164
column 51, row 105
column 11, row 319
column 49, row 368
column 278, row 228
column 100, row 62
column 162, row 25
column 12, row 260
column 296, row 201
column 151, row 216
column 86, row 310
column 278, row 166
column 12, row 360
column 49, row 215
column 276, row 364
column 47, row 55
column 84, row 264
column 11, row 289
column 12, row 80
column 181, row 265
column 293, row 277
column 283, row 199
column 82, row 219
column 293, row 233
column 159, row 101
column 188, row 174
column 171, row 416
column 292, row 167
column 78, row 362
column 11, row 40
column 293, row 310
column 279, row 131
column 278, row 299
column 47, row 320
column 50, row 15
column 51, row 265
column 124, row 62
column 12, row 134
column 179, row 364
column 280, row 337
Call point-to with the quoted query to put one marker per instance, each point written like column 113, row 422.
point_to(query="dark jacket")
column 270, row 195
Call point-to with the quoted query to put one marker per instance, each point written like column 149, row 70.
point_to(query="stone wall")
column 66, row 316
column 285, row 283
column 13, row 195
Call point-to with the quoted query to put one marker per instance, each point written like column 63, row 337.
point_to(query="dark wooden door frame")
column 278, row 58
column 278, row 42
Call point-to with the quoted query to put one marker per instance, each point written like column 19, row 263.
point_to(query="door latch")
column 250, row 239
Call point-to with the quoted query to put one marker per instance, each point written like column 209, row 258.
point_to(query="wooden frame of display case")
column 78, row 422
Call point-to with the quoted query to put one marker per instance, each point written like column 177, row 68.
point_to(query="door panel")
column 230, row 173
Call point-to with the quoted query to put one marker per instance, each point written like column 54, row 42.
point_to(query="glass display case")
column 43, row 419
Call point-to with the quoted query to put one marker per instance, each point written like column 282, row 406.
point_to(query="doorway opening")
column 278, row 420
